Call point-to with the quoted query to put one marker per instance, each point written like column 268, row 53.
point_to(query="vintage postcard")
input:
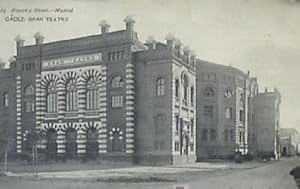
column 149, row 94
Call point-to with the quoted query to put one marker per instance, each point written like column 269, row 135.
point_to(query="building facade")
column 267, row 123
column 105, row 96
column 224, row 111
column 289, row 142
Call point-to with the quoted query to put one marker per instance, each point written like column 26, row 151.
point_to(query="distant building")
column 224, row 111
column 267, row 123
column 289, row 141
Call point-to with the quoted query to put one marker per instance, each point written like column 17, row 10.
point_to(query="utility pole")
column 5, row 161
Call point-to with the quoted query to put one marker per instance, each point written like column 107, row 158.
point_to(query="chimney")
column 151, row 43
column 129, row 23
column 248, row 73
column 266, row 89
column 186, row 52
column 170, row 40
column 193, row 58
column 178, row 45
column 19, row 41
column 104, row 27
column 39, row 39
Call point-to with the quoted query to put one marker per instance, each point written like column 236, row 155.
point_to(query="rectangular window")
column 5, row 99
column 192, row 127
column 242, row 115
column 176, row 146
column 208, row 111
column 117, row 101
column 177, row 123
column 192, row 147
column 29, row 106
column 241, row 137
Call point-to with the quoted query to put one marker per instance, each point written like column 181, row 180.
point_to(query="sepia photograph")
column 154, row 94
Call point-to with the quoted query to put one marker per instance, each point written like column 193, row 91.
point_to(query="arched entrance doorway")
column 91, row 143
column 186, row 145
column 51, row 144
column 284, row 151
column 116, row 142
column 71, row 144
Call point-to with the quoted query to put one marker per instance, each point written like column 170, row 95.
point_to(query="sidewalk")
column 138, row 172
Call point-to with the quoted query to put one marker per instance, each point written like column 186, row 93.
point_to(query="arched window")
column 228, row 94
column 212, row 135
column 5, row 99
column 204, row 134
column 185, row 86
column 208, row 91
column 92, row 94
column 51, row 97
column 226, row 135
column 177, row 88
column 242, row 97
column 117, row 82
column 29, row 90
column 160, row 87
column 71, row 95
column 228, row 113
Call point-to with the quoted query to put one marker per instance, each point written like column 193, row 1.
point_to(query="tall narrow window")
column 92, row 94
column 71, row 95
column 160, row 87
column 29, row 97
column 204, row 134
column 117, row 82
column 5, row 99
column 192, row 95
column 177, row 123
column 232, row 135
column 177, row 88
column 213, row 135
column 192, row 127
column 228, row 113
column 185, row 87
column 226, row 135
column 242, row 115
column 51, row 97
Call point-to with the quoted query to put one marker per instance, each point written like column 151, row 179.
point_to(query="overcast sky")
column 262, row 36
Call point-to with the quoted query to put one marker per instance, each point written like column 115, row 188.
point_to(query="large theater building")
column 107, row 96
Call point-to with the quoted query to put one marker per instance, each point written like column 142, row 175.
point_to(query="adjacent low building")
column 224, row 111
column 289, row 142
column 266, row 122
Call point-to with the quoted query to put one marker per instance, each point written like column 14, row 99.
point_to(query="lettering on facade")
column 74, row 60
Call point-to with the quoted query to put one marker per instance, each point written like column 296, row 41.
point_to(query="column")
column 103, row 112
column 129, row 108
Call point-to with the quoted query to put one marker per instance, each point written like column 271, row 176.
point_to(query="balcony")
column 51, row 115
column 72, row 114
column 92, row 113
